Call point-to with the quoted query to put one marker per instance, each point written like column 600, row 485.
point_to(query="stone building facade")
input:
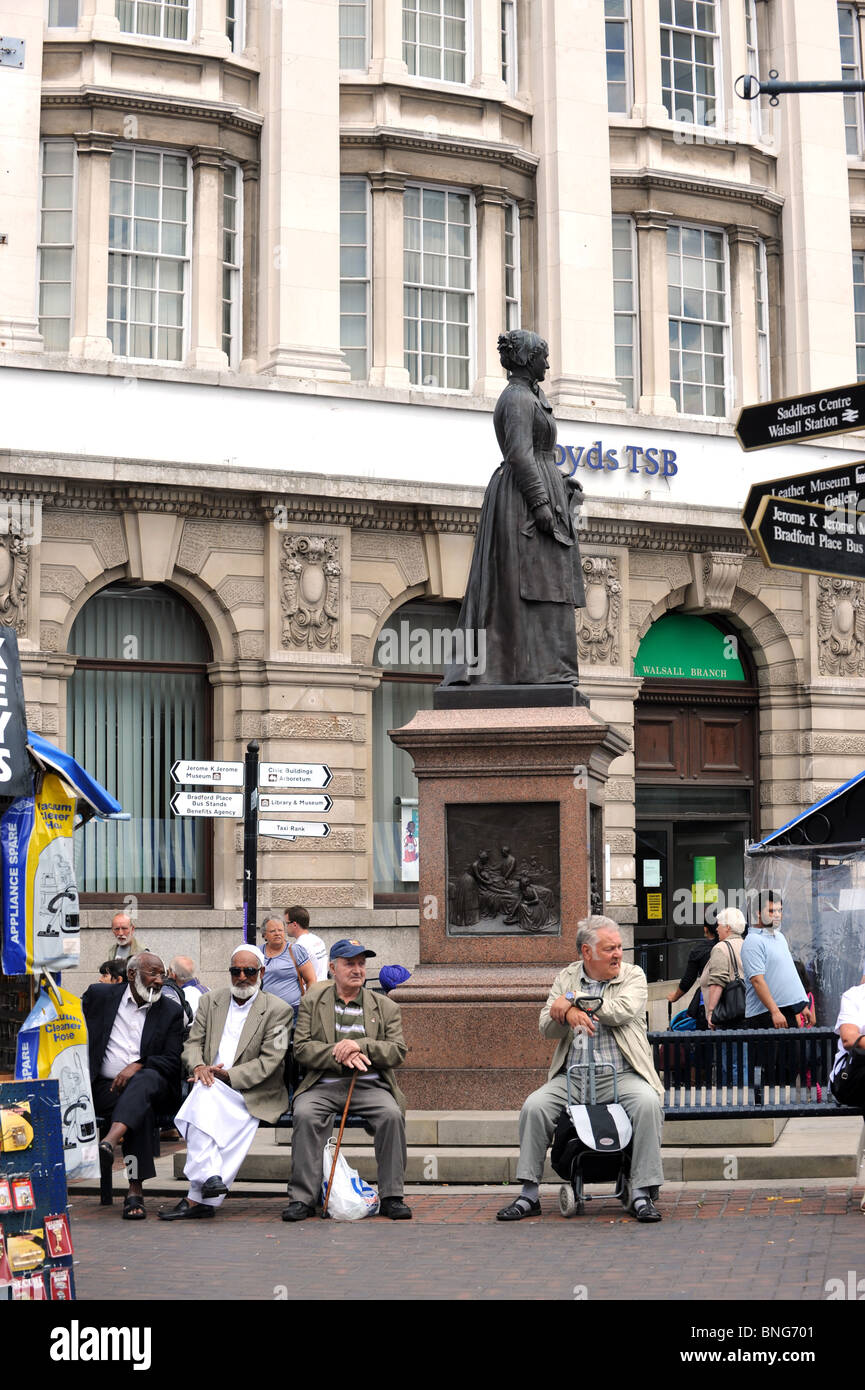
column 259, row 257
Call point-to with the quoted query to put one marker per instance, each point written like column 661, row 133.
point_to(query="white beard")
column 243, row 993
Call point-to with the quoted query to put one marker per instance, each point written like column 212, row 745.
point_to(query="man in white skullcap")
column 235, row 1058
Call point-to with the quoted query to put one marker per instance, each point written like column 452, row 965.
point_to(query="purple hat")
column 389, row 976
column 345, row 950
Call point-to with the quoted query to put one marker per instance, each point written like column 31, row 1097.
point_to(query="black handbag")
column 729, row 1012
column 848, row 1087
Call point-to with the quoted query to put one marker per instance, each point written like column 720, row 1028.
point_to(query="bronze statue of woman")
column 525, row 579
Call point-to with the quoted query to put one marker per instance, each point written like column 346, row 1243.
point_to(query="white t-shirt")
column 852, row 1010
column 317, row 952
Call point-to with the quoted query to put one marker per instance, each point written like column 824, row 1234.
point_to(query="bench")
column 747, row 1072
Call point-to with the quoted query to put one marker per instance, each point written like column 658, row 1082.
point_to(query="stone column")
column 777, row 368
column 205, row 315
column 490, row 204
column 210, row 32
column 19, row 141
column 575, row 258
column 299, row 101
column 743, row 306
column 386, row 61
column 812, row 176
column 487, row 58
column 250, row 276
column 655, row 397
column 89, row 337
column 646, row 48
column 387, row 362
column 98, row 18
column 528, row 263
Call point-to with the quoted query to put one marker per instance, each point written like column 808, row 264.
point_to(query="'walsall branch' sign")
column 836, row 411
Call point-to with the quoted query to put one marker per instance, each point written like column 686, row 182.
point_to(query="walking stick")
column 336, row 1150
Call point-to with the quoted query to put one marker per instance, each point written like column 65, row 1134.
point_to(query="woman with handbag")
column 289, row 972
column 723, row 979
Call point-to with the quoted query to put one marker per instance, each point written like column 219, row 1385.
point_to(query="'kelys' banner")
column 37, row 880
column 16, row 772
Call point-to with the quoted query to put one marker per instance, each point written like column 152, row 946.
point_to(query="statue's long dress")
column 523, row 585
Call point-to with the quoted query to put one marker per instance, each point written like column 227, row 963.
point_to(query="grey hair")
column 132, row 964
column 734, row 919
column 182, row 971
column 588, row 929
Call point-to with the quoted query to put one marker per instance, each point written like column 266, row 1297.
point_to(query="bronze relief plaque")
column 503, row 869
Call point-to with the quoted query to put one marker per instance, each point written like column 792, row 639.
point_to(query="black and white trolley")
column 592, row 1142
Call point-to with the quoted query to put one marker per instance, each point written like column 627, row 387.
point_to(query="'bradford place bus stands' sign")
column 812, row 538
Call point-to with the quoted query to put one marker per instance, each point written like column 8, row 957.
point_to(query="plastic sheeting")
column 824, row 915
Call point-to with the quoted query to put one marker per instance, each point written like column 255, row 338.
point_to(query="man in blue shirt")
column 773, row 990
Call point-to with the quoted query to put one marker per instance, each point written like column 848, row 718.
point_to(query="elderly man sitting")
column 618, row 1029
column 236, row 1056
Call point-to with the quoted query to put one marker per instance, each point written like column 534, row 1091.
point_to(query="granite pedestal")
column 521, row 780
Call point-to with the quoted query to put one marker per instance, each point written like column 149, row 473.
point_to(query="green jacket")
column 623, row 1011
column 315, row 1037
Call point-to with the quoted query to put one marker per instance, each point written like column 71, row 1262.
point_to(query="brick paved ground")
column 766, row 1243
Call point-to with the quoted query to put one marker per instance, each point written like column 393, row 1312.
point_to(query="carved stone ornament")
column 840, row 627
column 598, row 636
column 310, row 575
column 14, row 568
column 721, row 570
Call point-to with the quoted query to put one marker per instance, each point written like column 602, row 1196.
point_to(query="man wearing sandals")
column 618, row 1030
column 135, row 1038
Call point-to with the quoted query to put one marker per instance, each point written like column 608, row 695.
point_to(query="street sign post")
column 842, row 486
column 294, row 775
column 810, row 538
column 788, row 421
column 320, row 803
column 291, row 829
column 212, row 774
column 250, row 842
column 208, row 804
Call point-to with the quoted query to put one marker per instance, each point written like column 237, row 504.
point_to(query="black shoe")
column 395, row 1208
column 185, row 1212
column 297, row 1211
column 213, row 1187
column 519, row 1210
column 644, row 1209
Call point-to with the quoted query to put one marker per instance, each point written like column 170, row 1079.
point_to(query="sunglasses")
column 250, row 971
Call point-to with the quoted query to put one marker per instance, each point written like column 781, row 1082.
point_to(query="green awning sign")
column 679, row 647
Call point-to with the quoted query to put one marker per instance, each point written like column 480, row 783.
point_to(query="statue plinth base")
column 507, row 697
column 522, row 778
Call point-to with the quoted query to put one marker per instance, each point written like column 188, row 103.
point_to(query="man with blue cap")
column 345, row 1031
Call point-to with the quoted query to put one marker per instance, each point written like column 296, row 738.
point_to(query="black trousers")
column 138, row 1106
column 776, row 1070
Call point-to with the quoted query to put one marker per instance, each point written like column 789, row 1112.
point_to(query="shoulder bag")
column 729, row 1012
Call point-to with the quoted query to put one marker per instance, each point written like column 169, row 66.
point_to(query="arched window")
column 413, row 649
column 139, row 700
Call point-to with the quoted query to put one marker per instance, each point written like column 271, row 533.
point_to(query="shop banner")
column 16, row 771
column 52, row 1045
column 40, row 899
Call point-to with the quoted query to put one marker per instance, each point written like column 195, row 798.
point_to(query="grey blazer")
column 258, row 1069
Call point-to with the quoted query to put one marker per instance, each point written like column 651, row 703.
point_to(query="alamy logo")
column 76, row 1343
column 439, row 647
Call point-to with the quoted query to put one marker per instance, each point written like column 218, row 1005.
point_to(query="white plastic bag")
column 351, row 1198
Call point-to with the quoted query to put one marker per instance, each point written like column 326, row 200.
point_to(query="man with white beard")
column 235, row 1056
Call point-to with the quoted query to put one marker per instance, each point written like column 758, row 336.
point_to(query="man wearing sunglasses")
column 235, row 1058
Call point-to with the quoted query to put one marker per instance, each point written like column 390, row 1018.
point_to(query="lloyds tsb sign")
column 630, row 458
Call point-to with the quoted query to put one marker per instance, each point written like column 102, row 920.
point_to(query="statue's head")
column 521, row 349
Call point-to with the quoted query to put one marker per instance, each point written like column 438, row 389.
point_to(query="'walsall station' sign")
column 788, row 421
